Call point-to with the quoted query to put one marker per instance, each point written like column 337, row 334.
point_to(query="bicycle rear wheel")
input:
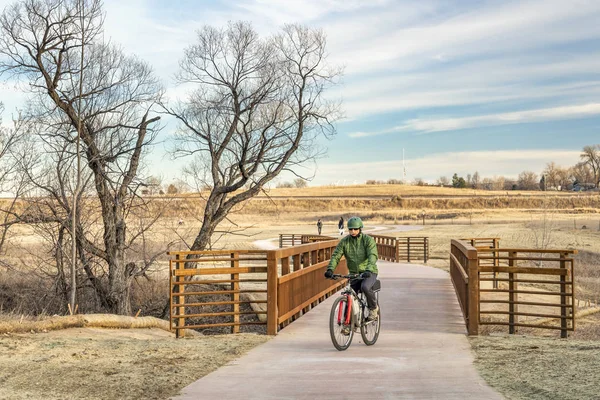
column 369, row 330
column 341, row 333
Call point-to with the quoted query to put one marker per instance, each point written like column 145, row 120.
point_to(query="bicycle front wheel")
column 369, row 330
column 341, row 333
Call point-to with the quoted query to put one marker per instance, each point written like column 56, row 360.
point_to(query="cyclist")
column 361, row 255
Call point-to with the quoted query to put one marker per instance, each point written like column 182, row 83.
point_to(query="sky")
column 497, row 87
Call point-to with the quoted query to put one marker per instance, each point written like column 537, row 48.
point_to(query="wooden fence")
column 536, row 287
column 290, row 281
column 296, row 239
column 413, row 249
column 394, row 249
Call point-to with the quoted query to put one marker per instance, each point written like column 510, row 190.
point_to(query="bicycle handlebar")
column 349, row 276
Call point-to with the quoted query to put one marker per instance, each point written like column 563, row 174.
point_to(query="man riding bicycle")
column 361, row 255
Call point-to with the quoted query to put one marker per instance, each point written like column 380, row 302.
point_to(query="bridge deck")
column 422, row 352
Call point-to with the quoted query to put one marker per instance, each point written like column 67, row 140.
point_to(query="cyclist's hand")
column 328, row 274
column 366, row 274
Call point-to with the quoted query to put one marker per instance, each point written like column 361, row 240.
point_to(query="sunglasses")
column 353, row 229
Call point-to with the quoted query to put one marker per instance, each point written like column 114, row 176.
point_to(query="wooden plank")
column 502, row 250
column 517, row 258
column 285, row 266
column 180, row 331
column 524, row 325
column 236, row 291
column 525, row 270
column 526, row 303
column 219, row 271
column 201, row 252
column 221, row 303
column 296, row 309
column 272, row 287
column 525, row 314
column 221, row 314
column 517, row 291
column 211, row 281
column 235, row 295
column 460, row 268
column 524, row 280
column 303, row 271
column 204, row 326
column 473, row 295
column 223, row 259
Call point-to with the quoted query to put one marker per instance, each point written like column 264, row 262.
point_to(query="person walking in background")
column 319, row 225
column 341, row 225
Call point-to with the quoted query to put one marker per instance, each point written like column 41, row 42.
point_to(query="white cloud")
column 517, row 117
column 507, row 163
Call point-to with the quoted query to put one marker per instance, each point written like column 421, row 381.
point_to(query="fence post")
column 235, row 296
column 496, row 262
column 512, row 296
column 397, row 250
column 473, row 301
column 425, row 249
column 272, row 314
column 179, row 330
column 563, row 298
column 280, row 240
column 408, row 249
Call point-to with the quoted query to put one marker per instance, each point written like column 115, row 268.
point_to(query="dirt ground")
column 531, row 367
column 93, row 363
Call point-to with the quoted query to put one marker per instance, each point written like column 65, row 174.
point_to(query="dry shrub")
column 28, row 294
column 587, row 275
column 150, row 296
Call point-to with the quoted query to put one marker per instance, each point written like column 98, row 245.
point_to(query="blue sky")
column 496, row 87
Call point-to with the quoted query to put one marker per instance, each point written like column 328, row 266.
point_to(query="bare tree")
column 565, row 178
column 582, row 172
column 476, row 180
column 41, row 43
column 551, row 172
column 590, row 155
column 300, row 183
column 443, row 181
column 257, row 109
column 528, row 180
column 11, row 182
column 498, row 182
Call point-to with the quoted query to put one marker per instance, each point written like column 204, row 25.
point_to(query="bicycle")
column 349, row 313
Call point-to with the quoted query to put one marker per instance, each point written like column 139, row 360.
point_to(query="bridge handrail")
column 468, row 264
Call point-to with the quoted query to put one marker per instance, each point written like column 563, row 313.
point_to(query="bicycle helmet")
column 354, row 223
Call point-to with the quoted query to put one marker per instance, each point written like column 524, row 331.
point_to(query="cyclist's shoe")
column 346, row 330
column 373, row 314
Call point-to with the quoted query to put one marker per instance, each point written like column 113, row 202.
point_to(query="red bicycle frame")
column 348, row 311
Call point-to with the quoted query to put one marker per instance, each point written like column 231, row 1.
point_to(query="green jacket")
column 361, row 254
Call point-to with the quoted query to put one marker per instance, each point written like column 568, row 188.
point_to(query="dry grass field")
column 151, row 364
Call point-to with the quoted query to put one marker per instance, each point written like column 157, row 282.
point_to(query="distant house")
column 582, row 187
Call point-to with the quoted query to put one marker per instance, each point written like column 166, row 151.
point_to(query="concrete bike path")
column 422, row 352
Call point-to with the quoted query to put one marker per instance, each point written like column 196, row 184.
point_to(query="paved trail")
column 422, row 352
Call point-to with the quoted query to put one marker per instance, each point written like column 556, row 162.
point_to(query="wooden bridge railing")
column 236, row 272
column 394, row 249
column 296, row 239
column 465, row 278
column 412, row 249
column 301, row 284
column 541, row 280
column 487, row 243
column 290, row 281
